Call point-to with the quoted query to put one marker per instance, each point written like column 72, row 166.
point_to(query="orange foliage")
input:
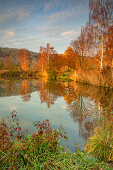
column 109, row 44
column 24, row 59
column 8, row 63
column 69, row 58
column 45, row 56
column 25, row 90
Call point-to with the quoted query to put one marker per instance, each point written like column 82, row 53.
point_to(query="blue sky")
column 33, row 23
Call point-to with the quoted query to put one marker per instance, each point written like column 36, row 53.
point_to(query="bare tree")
column 85, row 41
column 101, row 15
column 84, row 45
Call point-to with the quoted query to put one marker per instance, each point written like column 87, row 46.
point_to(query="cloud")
column 64, row 15
column 19, row 14
column 9, row 33
column 68, row 33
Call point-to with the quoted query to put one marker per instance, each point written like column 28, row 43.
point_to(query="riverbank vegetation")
column 42, row 150
column 100, row 144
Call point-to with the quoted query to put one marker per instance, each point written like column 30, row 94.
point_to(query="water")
column 74, row 106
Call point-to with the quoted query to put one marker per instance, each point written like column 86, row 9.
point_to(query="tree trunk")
column 102, row 53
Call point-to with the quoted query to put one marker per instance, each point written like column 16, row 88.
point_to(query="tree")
column 33, row 65
column 8, row 63
column 42, row 59
column 24, row 58
column 60, row 61
column 69, row 58
column 85, row 42
column 109, row 43
column 101, row 15
column 45, row 56
column 84, row 45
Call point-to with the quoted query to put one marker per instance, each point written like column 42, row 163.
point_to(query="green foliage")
column 27, row 155
column 79, row 160
column 65, row 76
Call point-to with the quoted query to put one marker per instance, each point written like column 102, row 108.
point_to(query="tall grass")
column 100, row 145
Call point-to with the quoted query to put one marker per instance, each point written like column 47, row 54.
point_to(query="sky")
column 34, row 23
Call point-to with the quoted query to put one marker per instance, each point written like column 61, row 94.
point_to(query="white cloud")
column 9, row 33
column 68, row 33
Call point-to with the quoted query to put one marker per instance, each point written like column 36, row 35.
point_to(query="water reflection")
column 83, row 102
column 47, row 93
column 25, row 90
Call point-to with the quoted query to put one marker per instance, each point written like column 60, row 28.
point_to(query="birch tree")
column 101, row 15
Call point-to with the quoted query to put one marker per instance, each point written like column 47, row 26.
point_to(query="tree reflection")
column 8, row 85
column 85, row 103
column 78, row 111
column 47, row 94
column 25, row 90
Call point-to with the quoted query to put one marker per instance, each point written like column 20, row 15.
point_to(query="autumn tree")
column 45, row 56
column 101, row 15
column 46, row 61
column 8, row 63
column 50, row 52
column 109, row 43
column 24, row 58
column 33, row 65
column 42, row 59
column 60, row 61
column 69, row 58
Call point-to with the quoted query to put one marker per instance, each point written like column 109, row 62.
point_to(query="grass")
column 100, row 144
column 41, row 150
column 56, row 160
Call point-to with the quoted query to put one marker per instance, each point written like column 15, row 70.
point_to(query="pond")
column 74, row 106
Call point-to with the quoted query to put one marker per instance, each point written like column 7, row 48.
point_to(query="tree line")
column 92, row 49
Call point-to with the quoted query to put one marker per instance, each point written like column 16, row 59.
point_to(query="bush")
column 100, row 145
column 19, row 150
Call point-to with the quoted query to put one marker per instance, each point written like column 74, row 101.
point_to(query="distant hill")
column 14, row 53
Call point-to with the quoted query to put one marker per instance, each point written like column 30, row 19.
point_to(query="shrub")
column 19, row 150
column 100, row 145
